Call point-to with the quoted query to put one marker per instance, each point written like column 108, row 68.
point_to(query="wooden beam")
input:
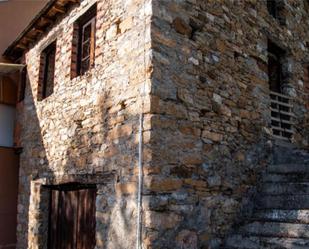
column 37, row 30
column 62, row 3
column 22, row 46
column 59, row 9
column 48, row 20
column 29, row 39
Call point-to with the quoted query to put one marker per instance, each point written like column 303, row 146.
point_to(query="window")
column 306, row 5
column 272, row 8
column 276, row 10
column 72, row 216
column 280, row 104
column 47, row 72
column 275, row 74
column 83, row 45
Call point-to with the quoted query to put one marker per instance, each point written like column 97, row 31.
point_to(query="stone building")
column 9, row 79
column 154, row 124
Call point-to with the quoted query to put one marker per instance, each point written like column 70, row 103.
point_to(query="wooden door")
column 72, row 218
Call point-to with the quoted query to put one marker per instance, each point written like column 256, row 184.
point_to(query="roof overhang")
column 6, row 68
column 37, row 27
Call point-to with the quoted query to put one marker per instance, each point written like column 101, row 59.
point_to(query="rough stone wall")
column 87, row 130
column 198, row 70
column 211, row 117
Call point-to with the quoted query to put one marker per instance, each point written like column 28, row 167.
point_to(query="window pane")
column 84, row 58
column 87, row 32
column 86, row 49
column 85, row 65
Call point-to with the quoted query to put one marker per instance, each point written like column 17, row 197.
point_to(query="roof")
column 41, row 22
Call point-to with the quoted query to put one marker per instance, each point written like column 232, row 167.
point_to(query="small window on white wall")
column 7, row 116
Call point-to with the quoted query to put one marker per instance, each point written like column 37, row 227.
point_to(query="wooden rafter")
column 21, row 45
column 59, row 9
column 38, row 30
column 45, row 18
column 30, row 39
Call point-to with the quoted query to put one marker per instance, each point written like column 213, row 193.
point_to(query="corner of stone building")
column 211, row 131
column 206, row 125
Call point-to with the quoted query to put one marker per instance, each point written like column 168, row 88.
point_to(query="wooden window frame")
column 44, row 82
column 89, row 18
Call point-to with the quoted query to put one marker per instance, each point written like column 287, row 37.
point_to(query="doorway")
column 72, row 216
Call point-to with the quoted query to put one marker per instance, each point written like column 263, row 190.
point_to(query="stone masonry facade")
column 196, row 72
column 86, row 131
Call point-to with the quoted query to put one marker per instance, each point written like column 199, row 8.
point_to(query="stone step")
column 289, row 154
column 253, row 242
column 285, row 188
column 288, row 168
column 276, row 229
column 278, row 215
column 286, row 202
column 291, row 177
column 292, row 158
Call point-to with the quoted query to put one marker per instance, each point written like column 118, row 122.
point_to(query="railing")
column 281, row 116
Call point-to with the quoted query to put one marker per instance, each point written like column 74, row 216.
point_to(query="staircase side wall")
column 211, row 122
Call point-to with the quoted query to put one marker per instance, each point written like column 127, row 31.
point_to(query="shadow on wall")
column 103, row 148
column 99, row 149
column 33, row 161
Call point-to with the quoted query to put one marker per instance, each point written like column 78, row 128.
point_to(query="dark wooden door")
column 72, row 218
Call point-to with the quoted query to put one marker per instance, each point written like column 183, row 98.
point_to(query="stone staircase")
column 281, row 215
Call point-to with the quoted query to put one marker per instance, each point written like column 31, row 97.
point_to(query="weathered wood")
column 59, row 9
column 72, row 218
column 282, row 126
column 45, row 18
column 21, row 45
